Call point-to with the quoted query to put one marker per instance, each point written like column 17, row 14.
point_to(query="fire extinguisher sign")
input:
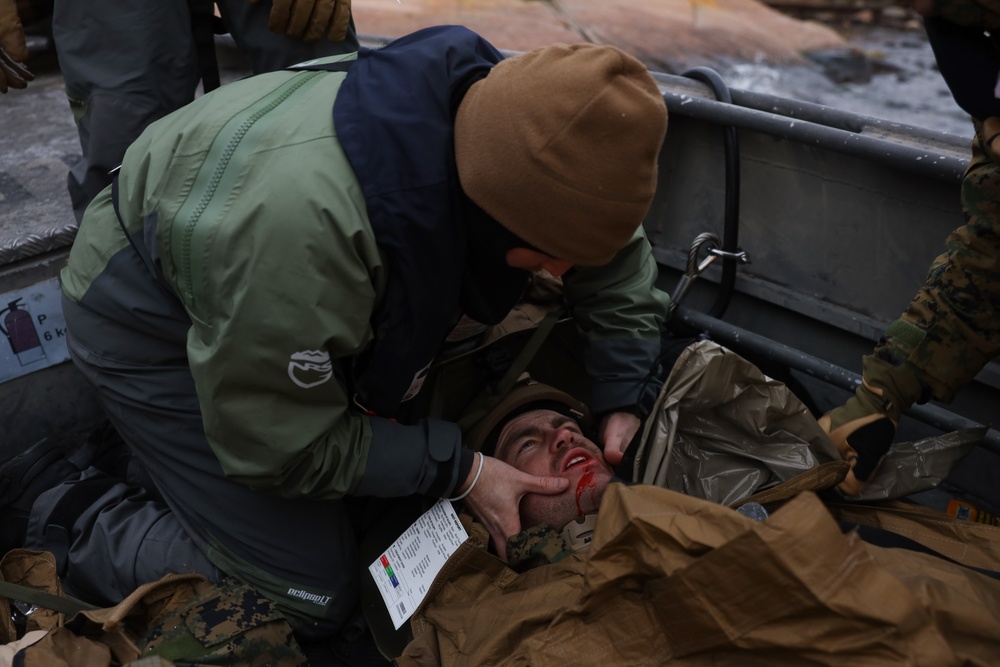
column 33, row 330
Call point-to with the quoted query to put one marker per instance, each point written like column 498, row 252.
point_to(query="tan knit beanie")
column 560, row 144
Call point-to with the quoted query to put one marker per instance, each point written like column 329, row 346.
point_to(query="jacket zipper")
column 206, row 183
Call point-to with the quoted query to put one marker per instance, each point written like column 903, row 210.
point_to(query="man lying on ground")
column 674, row 578
column 539, row 428
column 543, row 431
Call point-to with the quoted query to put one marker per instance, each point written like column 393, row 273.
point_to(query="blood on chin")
column 582, row 497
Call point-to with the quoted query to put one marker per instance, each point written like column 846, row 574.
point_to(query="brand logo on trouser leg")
column 321, row 600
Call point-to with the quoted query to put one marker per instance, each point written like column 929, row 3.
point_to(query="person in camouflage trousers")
column 951, row 328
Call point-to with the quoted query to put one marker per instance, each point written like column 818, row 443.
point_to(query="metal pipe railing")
column 738, row 338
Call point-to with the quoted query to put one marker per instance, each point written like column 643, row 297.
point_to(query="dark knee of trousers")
column 109, row 538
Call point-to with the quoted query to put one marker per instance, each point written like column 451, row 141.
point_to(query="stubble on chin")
column 559, row 510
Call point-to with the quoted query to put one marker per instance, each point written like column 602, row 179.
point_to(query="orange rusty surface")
column 664, row 33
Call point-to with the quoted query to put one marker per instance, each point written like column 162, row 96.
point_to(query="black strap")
column 203, row 31
column 144, row 255
column 513, row 374
column 146, row 259
column 58, row 529
column 61, row 603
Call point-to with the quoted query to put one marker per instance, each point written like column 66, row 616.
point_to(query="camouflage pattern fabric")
column 534, row 547
column 951, row 329
column 229, row 624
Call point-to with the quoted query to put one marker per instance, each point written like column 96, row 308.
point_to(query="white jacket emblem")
column 309, row 368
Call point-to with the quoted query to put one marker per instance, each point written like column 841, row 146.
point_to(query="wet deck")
column 38, row 145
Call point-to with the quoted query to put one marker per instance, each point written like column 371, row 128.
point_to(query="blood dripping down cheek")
column 587, row 482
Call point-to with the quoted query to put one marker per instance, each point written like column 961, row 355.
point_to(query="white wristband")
column 474, row 480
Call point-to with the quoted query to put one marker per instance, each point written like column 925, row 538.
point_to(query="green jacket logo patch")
column 310, row 368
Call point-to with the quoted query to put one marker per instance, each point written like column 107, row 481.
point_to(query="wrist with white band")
column 474, row 480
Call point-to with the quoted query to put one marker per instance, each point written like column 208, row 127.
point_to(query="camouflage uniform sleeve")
column 534, row 547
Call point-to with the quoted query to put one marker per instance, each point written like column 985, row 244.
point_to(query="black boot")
column 23, row 478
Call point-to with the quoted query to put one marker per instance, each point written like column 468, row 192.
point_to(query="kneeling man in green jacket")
column 259, row 293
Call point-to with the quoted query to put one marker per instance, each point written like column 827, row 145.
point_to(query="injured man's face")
column 545, row 442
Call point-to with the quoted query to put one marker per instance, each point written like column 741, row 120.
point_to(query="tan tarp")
column 967, row 542
column 36, row 570
column 722, row 430
column 99, row 637
column 675, row 580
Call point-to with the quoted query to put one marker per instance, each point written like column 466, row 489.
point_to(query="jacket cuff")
column 422, row 458
column 623, row 374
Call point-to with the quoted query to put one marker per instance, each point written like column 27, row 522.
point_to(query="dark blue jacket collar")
column 394, row 116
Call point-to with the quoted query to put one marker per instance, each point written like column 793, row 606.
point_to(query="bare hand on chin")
column 497, row 496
